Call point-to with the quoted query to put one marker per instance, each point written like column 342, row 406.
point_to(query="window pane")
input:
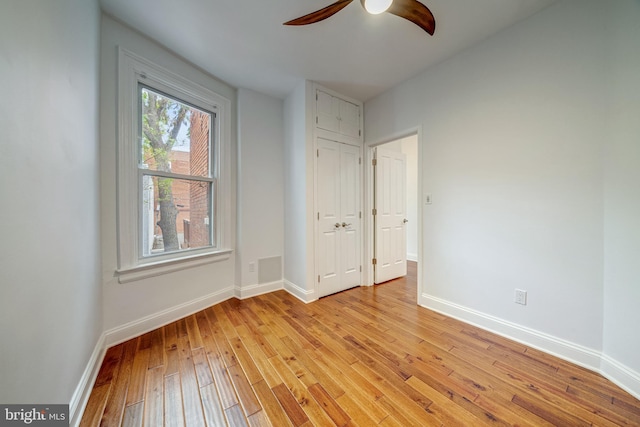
column 175, row 137
column 176, row 215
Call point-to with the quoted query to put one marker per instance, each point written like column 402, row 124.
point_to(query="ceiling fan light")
column 375, row 7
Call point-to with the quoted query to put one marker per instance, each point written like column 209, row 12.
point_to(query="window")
column 173, row 186
column 175, row 174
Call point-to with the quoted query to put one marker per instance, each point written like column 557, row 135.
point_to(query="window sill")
column 127, row 275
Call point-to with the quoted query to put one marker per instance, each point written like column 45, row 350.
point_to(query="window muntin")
column 175, row 141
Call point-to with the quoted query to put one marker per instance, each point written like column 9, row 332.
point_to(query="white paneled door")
column 338, row 216
column 391, row 216
column 337, row 115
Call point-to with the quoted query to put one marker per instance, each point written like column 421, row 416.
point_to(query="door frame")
column 367, row 207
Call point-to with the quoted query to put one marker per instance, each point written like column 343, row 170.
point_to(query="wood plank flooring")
column 364, row 357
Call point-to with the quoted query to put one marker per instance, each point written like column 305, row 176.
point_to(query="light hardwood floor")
column 364, row 357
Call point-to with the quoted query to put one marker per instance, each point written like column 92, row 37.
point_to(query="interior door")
column 350, row 259
column 390, row 181
column 338, row 234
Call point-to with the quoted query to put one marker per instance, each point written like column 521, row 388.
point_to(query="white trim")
column 561, row 348
column 623, row 376
column 302, row 294
column 154, row 321
column 412, row 257
column 85, row 386
column 594, row 360
column 243, row 292
column 168, row 266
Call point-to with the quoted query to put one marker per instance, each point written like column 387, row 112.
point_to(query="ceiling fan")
column 411, row 10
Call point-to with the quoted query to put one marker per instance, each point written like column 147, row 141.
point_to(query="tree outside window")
column 175, row 146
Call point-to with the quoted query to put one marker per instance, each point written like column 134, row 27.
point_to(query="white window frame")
column 134, row 70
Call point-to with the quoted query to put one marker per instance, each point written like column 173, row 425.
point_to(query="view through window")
column 175, row 171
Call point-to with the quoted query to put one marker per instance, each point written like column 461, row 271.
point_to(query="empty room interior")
column 427, row 214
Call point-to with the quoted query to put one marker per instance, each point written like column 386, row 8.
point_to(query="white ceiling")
column 244, row 43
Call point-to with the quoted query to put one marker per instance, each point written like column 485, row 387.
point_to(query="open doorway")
column 395, row 199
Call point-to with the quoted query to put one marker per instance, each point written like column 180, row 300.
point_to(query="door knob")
column 337, row 225
column 405, row 221
column 344, row 224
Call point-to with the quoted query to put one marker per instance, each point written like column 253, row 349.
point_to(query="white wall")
column 513, row 132
column 295, row 189
column 132, row 308
column 50, row 294
column 260, row 185
column 622, row 193
column 298, row 198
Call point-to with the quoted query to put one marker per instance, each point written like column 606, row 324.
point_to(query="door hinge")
column 359, row 133
column 318, row 152
column 360, row 269
column 316, row 119
column 374, row 162
column 318, row 216
column 374, row 211
column 374, row 261
column 360, row 215
column 359, row 160
column 318, row 278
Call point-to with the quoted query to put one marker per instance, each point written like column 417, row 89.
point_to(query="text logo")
column 34, row 415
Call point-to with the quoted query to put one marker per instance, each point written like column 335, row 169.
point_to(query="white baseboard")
column 302, row 294
column 154, row 321
column 623, row 376
column 243, row 292
column 412, row 257
column 566, row 350
column 83, row 390
column 588, row 358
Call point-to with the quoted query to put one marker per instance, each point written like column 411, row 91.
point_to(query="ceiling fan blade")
column 415, row 12
column 321, row 14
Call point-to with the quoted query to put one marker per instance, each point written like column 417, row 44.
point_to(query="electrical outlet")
column 252, row 267
column 428, row 199
column 521, row 297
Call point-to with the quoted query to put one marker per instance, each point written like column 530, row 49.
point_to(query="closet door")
column 337, row 115
column 328, row 112
column 338, row 202
column 329, row 230
column 350, row 212
column 349, row 119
